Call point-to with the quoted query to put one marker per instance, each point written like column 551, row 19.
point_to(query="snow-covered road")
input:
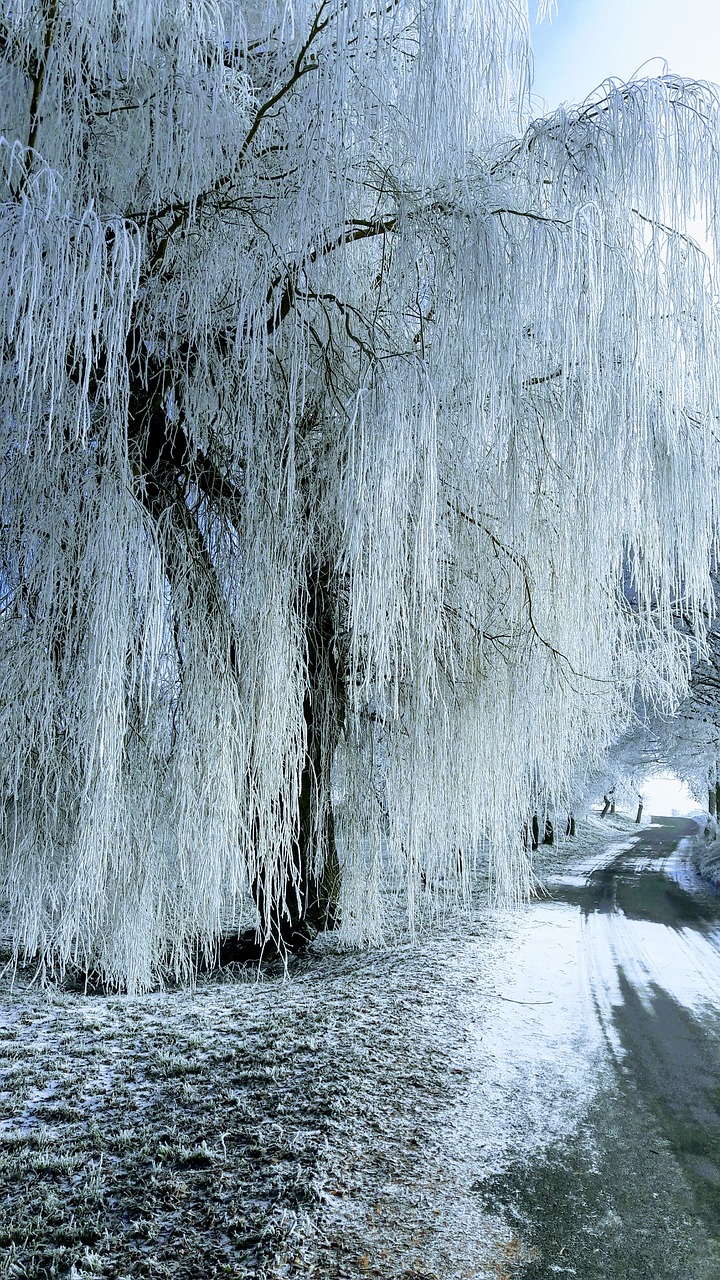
column 634, row 1190
column 529, row 1096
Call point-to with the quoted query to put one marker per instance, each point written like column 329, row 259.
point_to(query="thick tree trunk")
column 311, row 894
column 324, row 714
column 290, row 916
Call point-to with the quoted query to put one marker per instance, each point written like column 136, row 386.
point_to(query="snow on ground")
column 643, row 951
column 597, row 839
column 333, row 1123
column 282, row 1128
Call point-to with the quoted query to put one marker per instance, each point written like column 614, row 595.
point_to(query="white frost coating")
column 291, row 318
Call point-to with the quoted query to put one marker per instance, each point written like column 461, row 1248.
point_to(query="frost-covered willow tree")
column 687, row 740
column 338, row 402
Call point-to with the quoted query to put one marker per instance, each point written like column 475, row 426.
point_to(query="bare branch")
column 521, row 566
column 38, row 80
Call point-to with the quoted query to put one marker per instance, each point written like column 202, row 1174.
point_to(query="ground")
column 489, row 1101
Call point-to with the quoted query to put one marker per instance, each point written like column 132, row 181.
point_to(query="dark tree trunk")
column 311, row 894
column 291, row 916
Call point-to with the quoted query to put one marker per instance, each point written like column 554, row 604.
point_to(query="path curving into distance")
column 634, row 1191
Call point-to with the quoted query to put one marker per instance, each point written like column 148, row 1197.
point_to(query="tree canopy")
column 359, row 444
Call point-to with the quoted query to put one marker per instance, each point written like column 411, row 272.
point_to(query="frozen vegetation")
column 359, row 453
column 358, row 492
column 707, row 854
column 329, row 1123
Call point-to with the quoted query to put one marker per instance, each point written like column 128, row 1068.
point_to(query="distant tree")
column 687, row 741
column 336, row 395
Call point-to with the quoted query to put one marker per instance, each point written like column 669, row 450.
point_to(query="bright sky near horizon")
column 664, row 795
column 589, row 41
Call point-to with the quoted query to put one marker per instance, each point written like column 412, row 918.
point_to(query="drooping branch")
column 203, row 576
column 300, row 68
column 521, row 565
column 354, row 231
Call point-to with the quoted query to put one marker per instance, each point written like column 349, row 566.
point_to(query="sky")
column 591, row 40
column 664, row 794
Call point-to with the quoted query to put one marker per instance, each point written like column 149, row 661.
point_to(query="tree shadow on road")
column 634, row 1194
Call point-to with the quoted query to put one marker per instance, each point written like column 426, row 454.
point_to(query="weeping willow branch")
column 354, row 231
column 301, row 68
column 521, row 565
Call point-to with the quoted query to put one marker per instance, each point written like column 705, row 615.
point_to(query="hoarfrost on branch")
column 340, row 402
